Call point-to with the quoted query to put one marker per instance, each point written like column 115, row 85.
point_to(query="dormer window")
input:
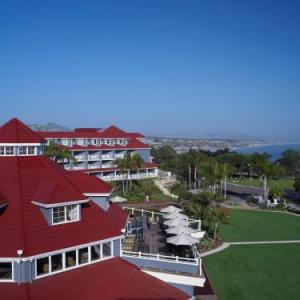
column 65, row 214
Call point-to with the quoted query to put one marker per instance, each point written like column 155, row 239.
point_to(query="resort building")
column 62, row 238
column 96, row 150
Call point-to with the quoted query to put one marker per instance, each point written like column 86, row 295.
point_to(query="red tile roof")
column 89, row 184
column 110, row 132
column 113, row 279
column 14, row 131
column 23, row 226
column 135, row 135
column 114, row 132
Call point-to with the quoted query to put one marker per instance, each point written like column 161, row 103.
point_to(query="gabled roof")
column 110, row 132
column 24, row 179
column 15, row 131
column 135, row 144
column 114, row 132
column 113, row 279
column 135, row 135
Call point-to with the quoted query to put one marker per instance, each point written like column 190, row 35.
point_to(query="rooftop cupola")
column 18, row 139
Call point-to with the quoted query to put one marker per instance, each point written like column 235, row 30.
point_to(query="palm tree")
column 59, row 153
column 122, row 164
column 135, row 162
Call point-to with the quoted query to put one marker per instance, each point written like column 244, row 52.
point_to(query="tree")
column 135, row 162
column 59, row 153
column 297, row 184
column 122, row 165
column 290, row 162
column 125, row 164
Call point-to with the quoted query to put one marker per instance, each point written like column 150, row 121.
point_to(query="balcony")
column 93, row 157
column 120, row 155
column 80, row 157
column 145, row 246
column 107, row 157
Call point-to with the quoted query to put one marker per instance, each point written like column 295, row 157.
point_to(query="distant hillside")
column 48, row 127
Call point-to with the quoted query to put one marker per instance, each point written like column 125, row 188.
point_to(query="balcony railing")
column 80, row 157
column 196, row 224
column 175, row 259
column 107, row 157
column 93, row 157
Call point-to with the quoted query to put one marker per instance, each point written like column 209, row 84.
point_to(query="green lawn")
column 260, row 272
column 282, row 183
column 248, row 225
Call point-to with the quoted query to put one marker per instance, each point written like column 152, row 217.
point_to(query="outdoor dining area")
column 167, row 232
column 180, row 237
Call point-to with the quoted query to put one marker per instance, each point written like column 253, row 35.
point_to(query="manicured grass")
column 282, row 183
column 248, row 225
column 260, row 272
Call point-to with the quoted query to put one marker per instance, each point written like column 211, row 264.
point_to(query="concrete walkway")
column 160, row 183
column 228, row 244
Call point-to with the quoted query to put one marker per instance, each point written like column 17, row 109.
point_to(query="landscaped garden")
column 282, row 183
column 249, row 225
column 138, row 191
column 258, row 272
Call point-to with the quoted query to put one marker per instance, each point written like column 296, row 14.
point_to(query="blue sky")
column 157, row 66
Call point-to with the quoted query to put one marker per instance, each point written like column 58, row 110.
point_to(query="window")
column 64, row 214
column 95, row 252
column 71, row 259
column 9, row 151
column 106, row 250
column 56, row 262
column 23, row 150
column 83, row 255
column 5, row 271
column 72, row 212
column 59, row 214
column 63, row 261
column 31, row 150
column 42, row 266
column 2, row 150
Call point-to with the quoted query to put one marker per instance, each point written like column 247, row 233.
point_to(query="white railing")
column 106, row 156
column 175, row 259
column 92, row 167
column 93, row 157
column 119, row 155
column 80, row 157
column 78, row 168
column 153, row 214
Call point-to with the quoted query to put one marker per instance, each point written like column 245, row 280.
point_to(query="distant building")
column 96, row 149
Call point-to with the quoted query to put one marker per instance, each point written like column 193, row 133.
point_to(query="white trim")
column 179, row 279
column 65, row 215
column 97, row 194
column 59, row 204
column 77, row 265
column 21, row 144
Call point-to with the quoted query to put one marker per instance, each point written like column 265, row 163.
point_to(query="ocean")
column 274, row 150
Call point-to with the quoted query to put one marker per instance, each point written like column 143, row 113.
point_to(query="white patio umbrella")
column 176, row 222
column 118, row 199
column 176, row 216
column 182, row 240
column 180, row 230
column 171, row 209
